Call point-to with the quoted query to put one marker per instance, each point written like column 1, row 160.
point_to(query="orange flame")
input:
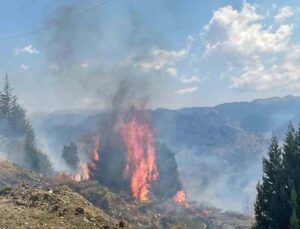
column 95, row 150
column 180, row 199
column 83, row 172
column 140, row 158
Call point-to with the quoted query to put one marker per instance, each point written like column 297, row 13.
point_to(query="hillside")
column 44, row 202
column 28, row 200
column 230, row 136
column 27, row 207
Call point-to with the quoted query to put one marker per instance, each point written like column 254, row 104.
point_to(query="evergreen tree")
column 34, row 158
column 289, row 154
column 70, row 155
column 19, row 134
column 296, row 168
column 294, row 224
column 260, row 206
column 168, row 183
column 277, row 205
column 6, row 99
column 291, row 169
column 268, row 206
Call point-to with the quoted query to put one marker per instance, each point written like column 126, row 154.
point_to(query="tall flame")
column 95, row 152
column 140, row 164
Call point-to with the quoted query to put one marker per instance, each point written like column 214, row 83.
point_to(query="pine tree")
column 290, row 164
column 70, row 155
column 289, row 153
column 260, row 206
column 296, row 183
column 268, row 206
column 273, row 184
column 35, row 159
column 6, row 98
column 277, row 205
column 19, row 134
column 294, row 224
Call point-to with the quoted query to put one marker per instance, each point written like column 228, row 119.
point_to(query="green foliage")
column 168, row 183
column 18, row 133
column 260, row 206
column 70, row 155
column 110, row 169
column 294, row 219
column 276, row 204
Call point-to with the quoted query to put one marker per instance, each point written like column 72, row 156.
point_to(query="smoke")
column 210, row 181
column 74, row 40
column 90, row 60
column 100, row 67
column 93, row 63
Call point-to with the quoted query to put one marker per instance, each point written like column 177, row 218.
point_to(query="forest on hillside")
column 18, row 141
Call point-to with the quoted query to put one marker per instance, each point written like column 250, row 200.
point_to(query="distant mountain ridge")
column 218, row 149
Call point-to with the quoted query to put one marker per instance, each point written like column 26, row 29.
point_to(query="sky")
column 177, row 53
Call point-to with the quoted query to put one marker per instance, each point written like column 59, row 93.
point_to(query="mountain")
column 218, row 149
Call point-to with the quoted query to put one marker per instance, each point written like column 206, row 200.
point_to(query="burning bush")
column 133, row 161
column 130, row 158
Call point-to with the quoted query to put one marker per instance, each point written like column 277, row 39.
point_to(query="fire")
column 140, row 164
column 180, row 199
column 84, row 171
column 205, row 212
column 95, row 150
column 95, row 154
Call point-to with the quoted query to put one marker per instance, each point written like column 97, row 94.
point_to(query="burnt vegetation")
column 110, row 169
column 103, row 181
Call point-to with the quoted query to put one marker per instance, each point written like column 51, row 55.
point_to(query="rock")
column 54, row 208
column 5, row 190
column 79, row 211
column 121, row 224
column 46, row 196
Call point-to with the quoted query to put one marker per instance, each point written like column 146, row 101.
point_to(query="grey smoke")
column 109, row 53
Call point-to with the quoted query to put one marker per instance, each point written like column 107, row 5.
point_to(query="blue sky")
column 178, row 53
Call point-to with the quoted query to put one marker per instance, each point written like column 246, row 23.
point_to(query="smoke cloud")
column 91, row 60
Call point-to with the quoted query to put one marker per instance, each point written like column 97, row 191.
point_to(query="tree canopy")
column 277, row 204
column 17, row 135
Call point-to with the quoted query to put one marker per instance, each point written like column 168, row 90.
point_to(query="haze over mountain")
column 163, row 105
column 218, row 149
